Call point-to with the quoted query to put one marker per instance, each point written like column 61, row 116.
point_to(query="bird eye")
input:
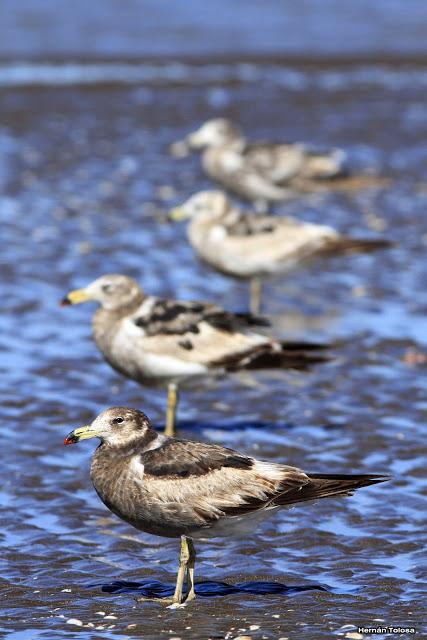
column 106, row 288
column 117, row 420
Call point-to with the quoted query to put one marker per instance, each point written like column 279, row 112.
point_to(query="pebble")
column 110, row 617
column 354, row 635
column 75, row 621
column 254, row 627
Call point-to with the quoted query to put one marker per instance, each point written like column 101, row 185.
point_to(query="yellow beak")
column 178, row 213
column 76, row 297
column 81, row 433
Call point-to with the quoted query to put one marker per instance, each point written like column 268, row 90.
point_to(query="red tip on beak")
column 70, row 440
column 65, row 302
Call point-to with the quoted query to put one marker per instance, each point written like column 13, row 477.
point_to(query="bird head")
column 209, row 205
column 116, row 426
column 214, row 133
column 111, row 291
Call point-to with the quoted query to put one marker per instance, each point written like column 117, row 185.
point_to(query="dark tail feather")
column 300, row 356
column 252, row 320
column 324, row 485
column 304, row 346
column 349, row 246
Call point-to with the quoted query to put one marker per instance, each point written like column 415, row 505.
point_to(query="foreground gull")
column 262, row 172
column 245, row 245
column 178, row 488
column 156, row 341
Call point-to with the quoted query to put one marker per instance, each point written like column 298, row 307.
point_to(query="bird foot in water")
column 170, row 603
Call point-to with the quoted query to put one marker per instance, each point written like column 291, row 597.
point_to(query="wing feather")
column 172, row 317
column 183, row 458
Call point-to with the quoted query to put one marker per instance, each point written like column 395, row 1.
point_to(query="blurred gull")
column 245, row 245
column 157, row 341
column 260, row 172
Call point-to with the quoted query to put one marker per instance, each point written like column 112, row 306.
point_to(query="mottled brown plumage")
column 190, row 485
column 140, row 474
column 173, row 488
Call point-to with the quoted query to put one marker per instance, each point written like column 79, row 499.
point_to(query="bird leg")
column 255, row 295
column 262, row 207
column 171, row 409
column 187, row 560
column 184, row 561
column 190, row 571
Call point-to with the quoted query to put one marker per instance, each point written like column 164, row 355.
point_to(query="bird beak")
column 177, row 213
column 81, row 433
column 195, row 140
column 180, row 149
column 75, row 297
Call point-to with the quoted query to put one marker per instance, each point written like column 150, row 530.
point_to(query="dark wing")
column 172, row 317
column 183, row 458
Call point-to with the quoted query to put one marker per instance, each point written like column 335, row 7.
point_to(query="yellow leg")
column 171, row 409
column 187, row 560
column 184, row 558
column 190, row 571
column 255, row 293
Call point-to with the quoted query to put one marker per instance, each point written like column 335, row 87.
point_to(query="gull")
column 245, row 245
column 184, row 489
column 157, row 341
column 261, row 172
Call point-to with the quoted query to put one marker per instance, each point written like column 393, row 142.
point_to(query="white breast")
column 136, row 469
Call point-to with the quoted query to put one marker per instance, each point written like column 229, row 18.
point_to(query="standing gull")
column 245, row 245
column 264, row 172
column 260, row 172
column 178, row 488
column 157, row 341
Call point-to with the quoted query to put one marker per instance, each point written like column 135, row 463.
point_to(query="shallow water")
column 85, row 181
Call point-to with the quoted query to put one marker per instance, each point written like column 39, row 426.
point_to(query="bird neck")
column 105, row 320
column 140, row 443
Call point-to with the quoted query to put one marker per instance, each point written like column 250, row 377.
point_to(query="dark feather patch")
column 246, row 224
column 327, row 486
column 348, row 246
column 183, row 458
column 300, row 356
column 170, row 317
column 186, row 344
